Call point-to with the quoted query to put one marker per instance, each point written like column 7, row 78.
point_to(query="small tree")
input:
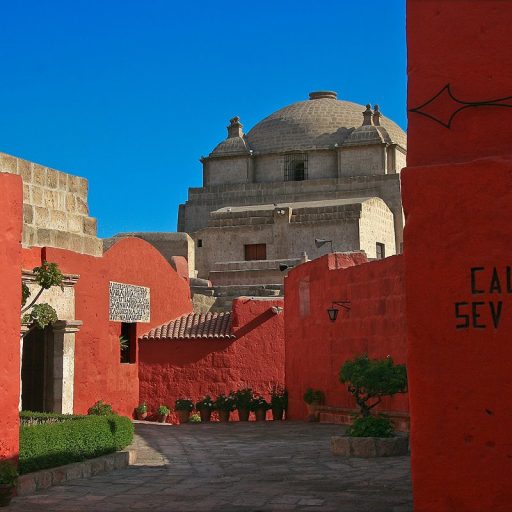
column 371, row 379
column 40, row 315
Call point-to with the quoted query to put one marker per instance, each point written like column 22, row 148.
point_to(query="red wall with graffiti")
column 316, row 347
column 10, row 300
column 99, row 375
column 457, row 256
column 195, row 367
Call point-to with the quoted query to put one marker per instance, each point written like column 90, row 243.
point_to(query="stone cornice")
column 27, row 277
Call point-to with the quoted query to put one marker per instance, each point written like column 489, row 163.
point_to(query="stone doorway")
column 48, row 368
column 34, row 371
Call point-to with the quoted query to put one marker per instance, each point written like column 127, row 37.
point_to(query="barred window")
column 296, row 167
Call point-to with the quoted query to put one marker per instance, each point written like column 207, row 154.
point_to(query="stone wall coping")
column 38, row 480
column 70, row 280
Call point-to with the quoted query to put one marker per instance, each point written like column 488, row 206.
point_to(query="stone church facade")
column 316, row 169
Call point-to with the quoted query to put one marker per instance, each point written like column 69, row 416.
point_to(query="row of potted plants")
column 244, row 400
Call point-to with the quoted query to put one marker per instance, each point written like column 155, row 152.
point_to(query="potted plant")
column 260, row 407
column 184, row 407
column 369, row 380
column 195, row 418
column 8, row 478
column 205, row 407
column 313, row 399
column 224, row 404
column 141, row 411
column 163, row 412
column 278, row 401
column 243, row 398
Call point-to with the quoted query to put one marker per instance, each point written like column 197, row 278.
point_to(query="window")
column 199, row 243
column 296, row 167
column 255, row 252
column 380, row 250
column 127, row 342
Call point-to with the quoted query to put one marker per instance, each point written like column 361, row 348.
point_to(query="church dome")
column 317, row 123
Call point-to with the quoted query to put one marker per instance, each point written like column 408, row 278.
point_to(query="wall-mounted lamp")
column 284, row 266
column 333, row 312
column 277, row 310
column 280, row 211
column 322, row 241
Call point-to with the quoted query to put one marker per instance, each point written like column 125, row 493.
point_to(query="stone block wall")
column 55, row 211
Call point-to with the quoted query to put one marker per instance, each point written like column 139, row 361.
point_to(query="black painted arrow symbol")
column 444, row 106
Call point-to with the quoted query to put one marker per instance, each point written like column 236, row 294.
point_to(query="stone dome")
column 317, row 123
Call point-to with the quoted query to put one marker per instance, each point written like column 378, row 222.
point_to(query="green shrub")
column 243, row 398
column 314, row 396
column 195, row 418
column 371, row 426
column 100, row 408
column 48, row 445
column 371, row 379
column 122, row 430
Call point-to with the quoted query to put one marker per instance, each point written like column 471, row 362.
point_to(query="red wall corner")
column 11, row 215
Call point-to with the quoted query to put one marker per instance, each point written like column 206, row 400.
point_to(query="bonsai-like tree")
column 368, row 381
column 40, row 315
column 371, row 379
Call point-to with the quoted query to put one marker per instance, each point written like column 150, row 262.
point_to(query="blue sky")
column 130, row 94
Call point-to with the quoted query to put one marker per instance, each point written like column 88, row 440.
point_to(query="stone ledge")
column 33, row 482
column 345, row 416
column 366, row 447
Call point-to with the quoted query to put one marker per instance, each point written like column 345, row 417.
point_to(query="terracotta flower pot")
column 183, row 416
column 243, row 413
column 277, row 413
column 205, row 414
column 6, row 494
column 141, row 415
column 313, row 413
column 162, row 418
column 224, row 416
column 260, row 414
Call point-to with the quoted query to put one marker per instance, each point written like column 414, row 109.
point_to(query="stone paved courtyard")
column 269, row 466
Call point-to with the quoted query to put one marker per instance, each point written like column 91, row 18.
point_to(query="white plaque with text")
column 128, row 303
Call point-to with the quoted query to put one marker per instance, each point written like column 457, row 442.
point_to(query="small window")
column 199, row 243
column 380, row 250
column 255, row 252
column 127, row 342
column 296, row 167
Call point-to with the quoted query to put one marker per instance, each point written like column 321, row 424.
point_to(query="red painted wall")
column 458, row 211
column 316, row 348
column 192, row 368
column 99, row 375
column 467, row 44
column 11, row 212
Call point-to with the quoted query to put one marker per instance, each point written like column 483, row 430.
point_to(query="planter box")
column 367, row 447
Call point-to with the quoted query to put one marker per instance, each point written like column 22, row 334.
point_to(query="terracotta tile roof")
column 192, row 326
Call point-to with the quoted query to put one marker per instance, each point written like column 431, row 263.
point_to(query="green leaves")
column 25, row 294
column 370, row 379
column 374, row 377
column 48, row 275
column 371, row 426
column 41, row 315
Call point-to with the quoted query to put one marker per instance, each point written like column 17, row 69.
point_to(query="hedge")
column 37, row 418
column 48, row 445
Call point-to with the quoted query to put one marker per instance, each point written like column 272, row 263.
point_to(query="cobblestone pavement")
column 246, row 467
